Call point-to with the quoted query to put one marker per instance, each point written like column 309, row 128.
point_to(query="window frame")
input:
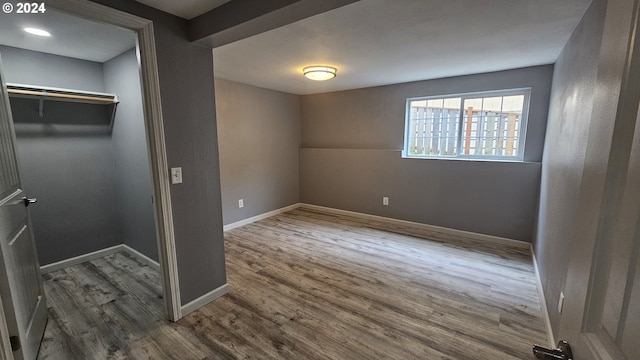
column 524, row 122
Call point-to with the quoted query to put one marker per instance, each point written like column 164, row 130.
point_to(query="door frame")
column 5, row 345
column 601, row 192
column 154, row 128
column 617, row 181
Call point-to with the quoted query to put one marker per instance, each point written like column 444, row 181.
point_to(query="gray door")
column 21, row 288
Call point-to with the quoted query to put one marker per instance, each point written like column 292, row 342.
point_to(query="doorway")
column 145, row 57
column 87, row 161
column 157, row 153
column 82, row 150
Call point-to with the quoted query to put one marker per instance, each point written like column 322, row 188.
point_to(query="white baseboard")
column 79, row 259
column 259, row 217
column 141, row 257
column 204, row 299
column 543, row 302
column 98, row 254
column 467, row 234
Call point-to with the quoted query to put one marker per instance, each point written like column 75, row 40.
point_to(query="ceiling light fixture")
column 38, row 32
column 319, row 73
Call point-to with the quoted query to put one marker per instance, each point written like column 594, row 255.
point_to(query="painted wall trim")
column 467, row 234
column 141, row 257
column 79, row 259
column 259, row 217
column 63, row 264
column 5, row 346
column 543, row 302
column 204, row 299
column 154, row 126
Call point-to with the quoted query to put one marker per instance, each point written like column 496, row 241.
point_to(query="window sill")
column 470, row 159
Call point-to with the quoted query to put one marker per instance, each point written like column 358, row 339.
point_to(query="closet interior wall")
column 78, row 167
column 132, row 173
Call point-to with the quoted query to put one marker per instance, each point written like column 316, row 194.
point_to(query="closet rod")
column 60, row 95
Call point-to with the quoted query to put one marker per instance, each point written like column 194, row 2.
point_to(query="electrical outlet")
column 561, row 302
column 385, row 201
column 176, row 175
column 241, row 203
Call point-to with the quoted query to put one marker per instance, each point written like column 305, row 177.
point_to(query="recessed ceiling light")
column 319, row 73
column 38, row 32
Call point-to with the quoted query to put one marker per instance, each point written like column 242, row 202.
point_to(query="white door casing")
column 21, row 290
column 601, row 317
column 612, row 323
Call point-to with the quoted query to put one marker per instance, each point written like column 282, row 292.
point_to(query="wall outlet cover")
column 241, row 203
column 385, row 201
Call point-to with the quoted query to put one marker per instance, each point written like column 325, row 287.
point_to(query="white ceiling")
column 70, row 36
column 187, row 9
column 377, row 42
column 371, row 42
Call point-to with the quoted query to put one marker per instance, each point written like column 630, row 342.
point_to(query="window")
column 487, row 125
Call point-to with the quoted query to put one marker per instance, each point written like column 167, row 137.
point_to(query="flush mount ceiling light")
column 319, row 73
column 38, row 32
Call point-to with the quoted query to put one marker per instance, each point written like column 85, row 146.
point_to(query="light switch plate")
column 176, row 175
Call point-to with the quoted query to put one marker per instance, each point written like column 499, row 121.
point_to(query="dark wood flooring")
column 310, row 285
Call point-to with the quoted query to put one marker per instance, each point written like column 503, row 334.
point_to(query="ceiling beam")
column 239, row 19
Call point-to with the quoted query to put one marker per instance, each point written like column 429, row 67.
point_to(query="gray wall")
column 570, row 122
column 351, row 157
column 188, row 111
column 25, row 67
column 259, row 139
column 69, row 168
column 132, row 173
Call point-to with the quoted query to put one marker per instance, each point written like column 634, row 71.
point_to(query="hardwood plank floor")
column 310, row 285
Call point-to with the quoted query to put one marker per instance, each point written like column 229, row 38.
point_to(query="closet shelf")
column 49, row 93
column 43, row 93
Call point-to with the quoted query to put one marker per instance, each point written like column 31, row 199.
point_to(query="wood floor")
column 310, row 285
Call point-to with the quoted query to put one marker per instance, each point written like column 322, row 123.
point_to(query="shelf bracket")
column 41, row 107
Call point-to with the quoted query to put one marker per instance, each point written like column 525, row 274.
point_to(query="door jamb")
column 5, row 346
column 146, row 52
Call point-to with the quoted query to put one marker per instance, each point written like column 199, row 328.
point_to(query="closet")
column 83, row 154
